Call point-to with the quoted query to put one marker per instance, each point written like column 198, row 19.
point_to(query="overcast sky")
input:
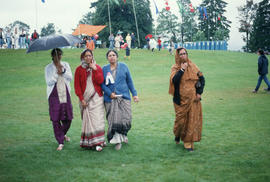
column 65, row 14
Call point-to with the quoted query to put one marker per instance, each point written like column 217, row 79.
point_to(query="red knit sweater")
column 81, row 79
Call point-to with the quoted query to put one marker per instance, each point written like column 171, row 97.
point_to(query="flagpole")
column 156, row 18
column 36, row 12
column 109, row 17
column 136, row 24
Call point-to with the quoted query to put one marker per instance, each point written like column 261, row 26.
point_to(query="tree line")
column 255, row 24
column 205, row 22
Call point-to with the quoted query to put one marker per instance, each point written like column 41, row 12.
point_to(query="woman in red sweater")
column 88, row 80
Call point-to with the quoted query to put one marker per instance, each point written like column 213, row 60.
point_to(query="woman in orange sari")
column 186, row 87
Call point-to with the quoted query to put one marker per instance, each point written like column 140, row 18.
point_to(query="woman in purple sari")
column 58, row 76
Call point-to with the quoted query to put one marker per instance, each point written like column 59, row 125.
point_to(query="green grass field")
column 235, row 145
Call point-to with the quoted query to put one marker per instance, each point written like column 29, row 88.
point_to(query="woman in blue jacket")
column 117, row 86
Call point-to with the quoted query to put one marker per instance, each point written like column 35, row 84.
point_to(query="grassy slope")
column 236, row 129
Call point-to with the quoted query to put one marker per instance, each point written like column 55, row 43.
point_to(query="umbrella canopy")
column 53, row 41
column 148, row 36
column 88, row 29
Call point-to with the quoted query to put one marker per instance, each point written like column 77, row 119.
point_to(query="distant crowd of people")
column 16, row 39
column 152, row 44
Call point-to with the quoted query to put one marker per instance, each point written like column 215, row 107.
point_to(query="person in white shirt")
column 15, row 40
column 58, row 76
column 153, row 44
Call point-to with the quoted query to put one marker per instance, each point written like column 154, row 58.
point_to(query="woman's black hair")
column 179, row 49
column 261, row 52
column 57, row 51
column 111, row 51
column 83, row 53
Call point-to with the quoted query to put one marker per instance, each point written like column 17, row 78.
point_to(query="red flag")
column 125, row 1
column 191, row 8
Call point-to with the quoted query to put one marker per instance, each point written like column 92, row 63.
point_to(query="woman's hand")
column 113, row 96
column 59, row 69
column 184, row 65
column 198, row 97
column 84, row 104
column 92, row 65
column 136, row 98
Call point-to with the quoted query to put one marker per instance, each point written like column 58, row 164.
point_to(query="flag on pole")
column 156, row 7
column 205, row 13
column 201, row 12
column 125, row 1
column 43, row 1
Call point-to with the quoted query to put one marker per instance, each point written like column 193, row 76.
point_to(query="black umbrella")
column 53, row 41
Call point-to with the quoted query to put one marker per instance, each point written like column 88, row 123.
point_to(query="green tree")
column 246, row 17
column 215, row 21
column 87, row 19
column 122, row 17
column 188, row 24
column 48, row 30
column 167, row 25
column 20, row 25
column 259, row 37
column 199, row 36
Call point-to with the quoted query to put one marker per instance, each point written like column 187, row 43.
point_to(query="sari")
column 188, row 115
column 93, row 123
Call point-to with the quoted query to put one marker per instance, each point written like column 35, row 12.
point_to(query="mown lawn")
column 236, row 128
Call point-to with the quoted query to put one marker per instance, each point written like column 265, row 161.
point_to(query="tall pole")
column 109, row 17
column 136, row 24
column 36, row 12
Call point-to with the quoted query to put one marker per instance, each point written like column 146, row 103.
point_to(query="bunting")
column 191, row 8
column 167, row 5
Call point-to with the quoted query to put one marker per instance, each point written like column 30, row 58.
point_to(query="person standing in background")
column 133, row 39
column 159, row 43
column 262, row 71
column 8, row 39
column 128, row 39
column 16, row 39
column 34, row 35
column 111, row 40
column 1, row 38
column 90, row 44
column 22, row 40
